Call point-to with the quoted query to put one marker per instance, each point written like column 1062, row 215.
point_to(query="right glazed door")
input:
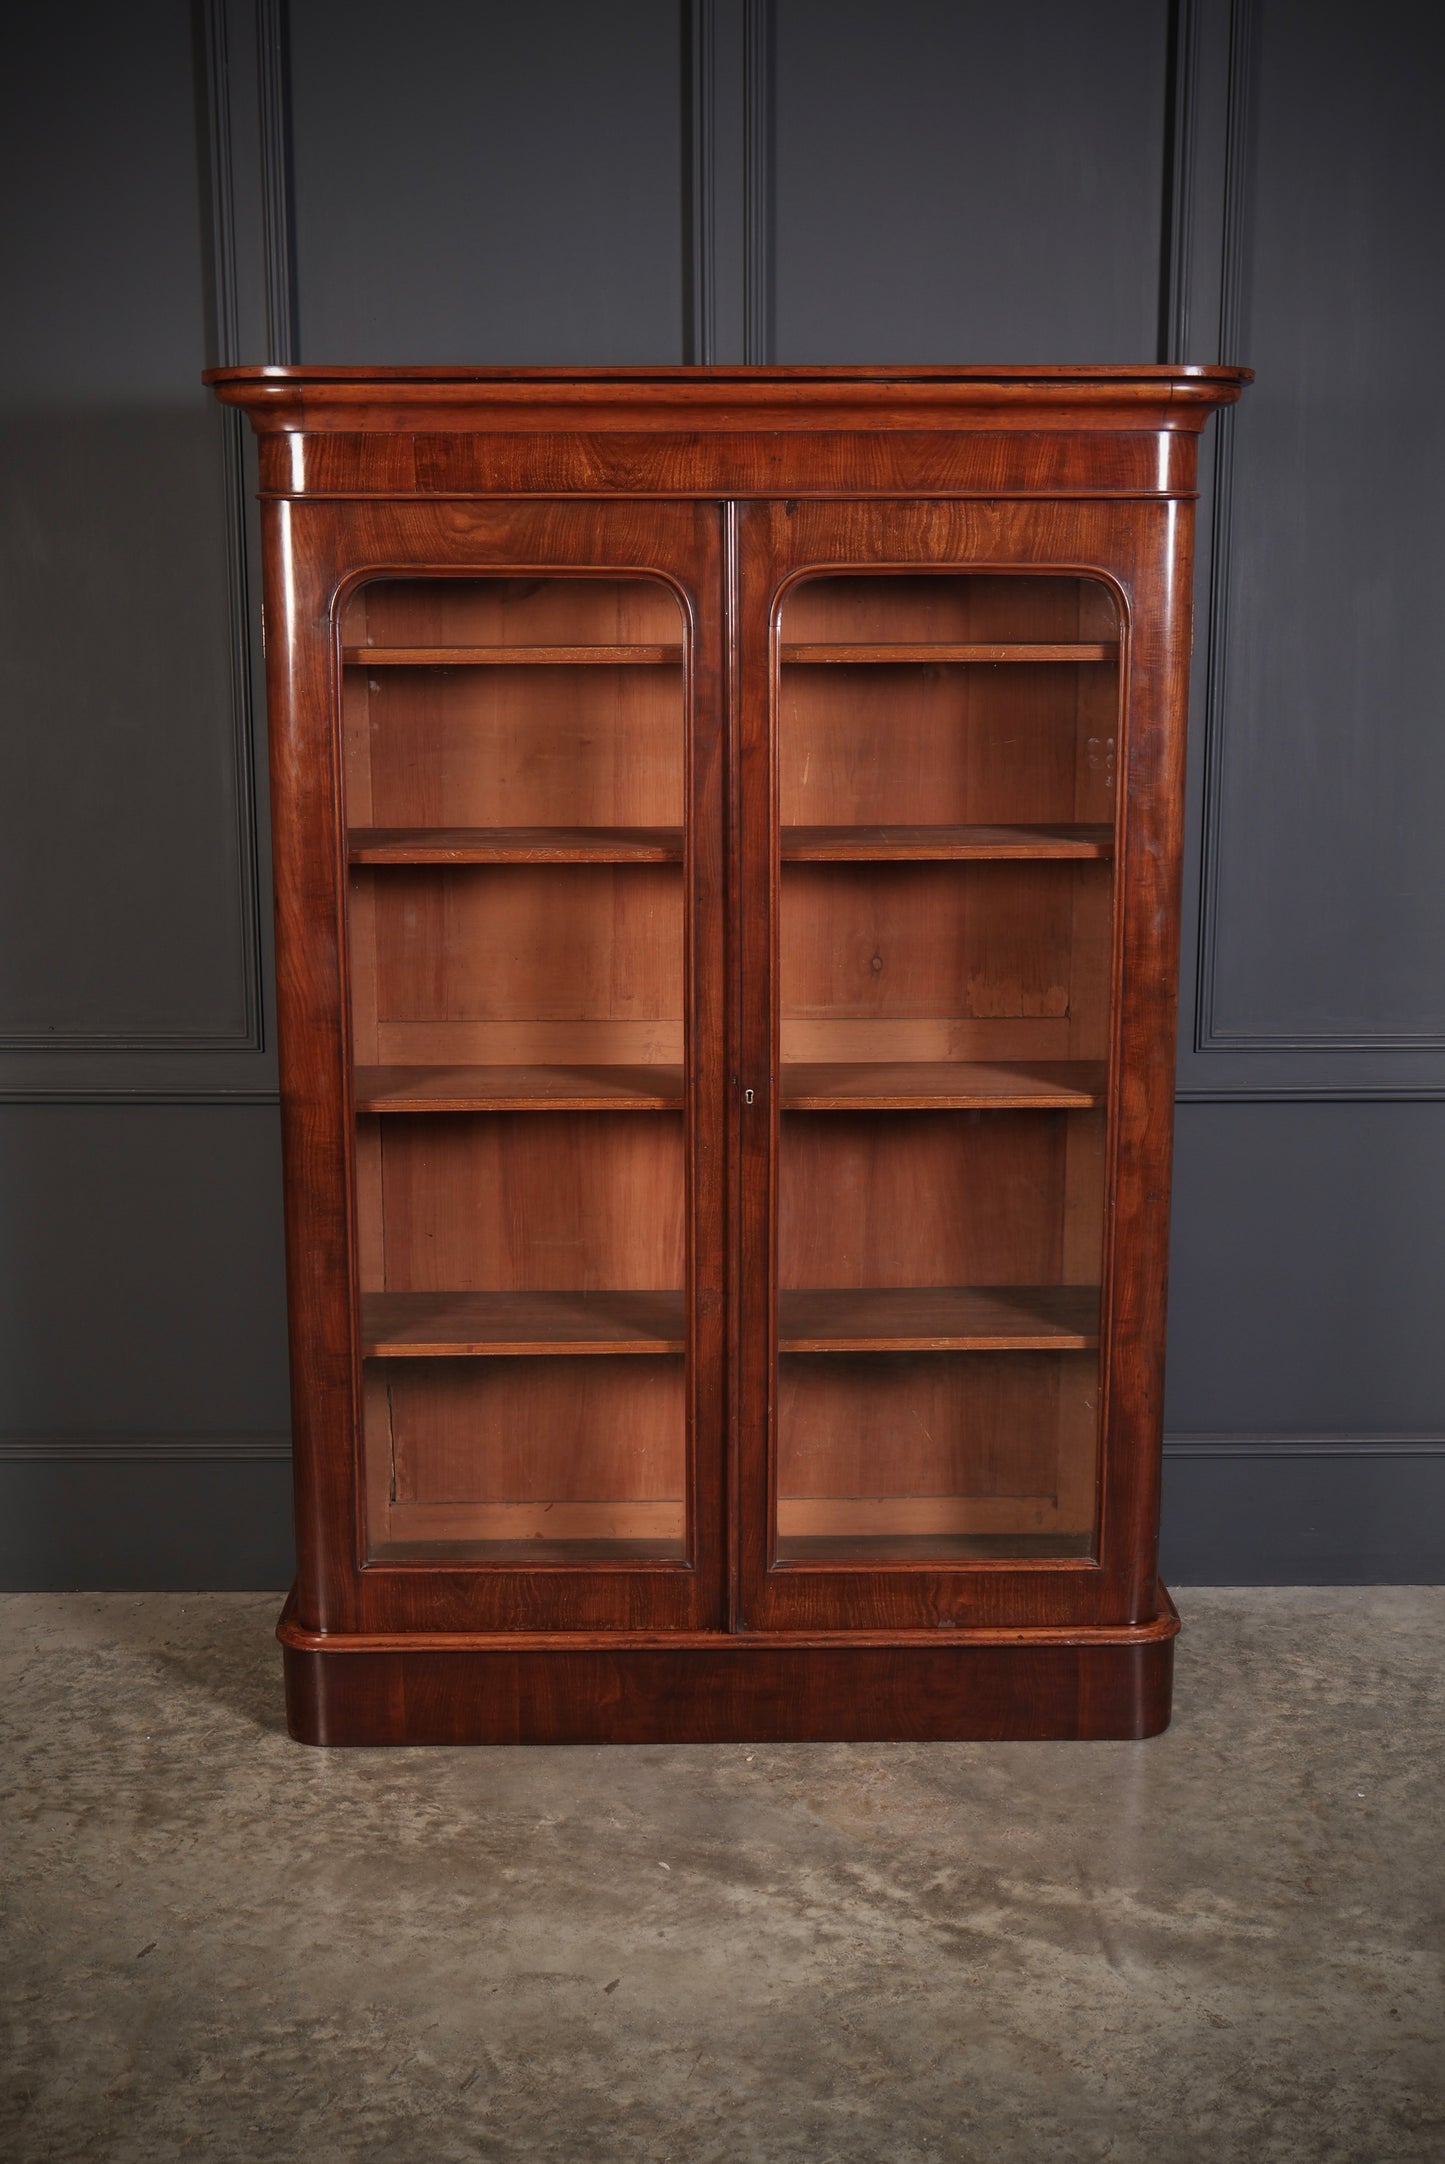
column 929, row 759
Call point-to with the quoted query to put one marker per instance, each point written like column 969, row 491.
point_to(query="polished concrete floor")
column 1221, row 1945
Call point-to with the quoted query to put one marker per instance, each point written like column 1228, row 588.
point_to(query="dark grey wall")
column 824, row 180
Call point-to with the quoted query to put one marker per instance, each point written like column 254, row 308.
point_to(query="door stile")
column 707, row 1115
column 757, row 896
column 1152, row 811
column 313, row 1057
column 734, row 916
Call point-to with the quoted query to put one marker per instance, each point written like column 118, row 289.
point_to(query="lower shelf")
column 530, row 1554
column 618, row 1530
column 866, row 1550
column 1104, row 1683
column 918, row 1085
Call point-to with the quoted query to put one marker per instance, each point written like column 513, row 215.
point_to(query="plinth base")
column 978, row 1686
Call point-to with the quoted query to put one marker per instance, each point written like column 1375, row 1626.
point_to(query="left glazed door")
column 528, row 729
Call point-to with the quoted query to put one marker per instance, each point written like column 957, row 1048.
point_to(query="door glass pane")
column 514, row 755
column 947, row 750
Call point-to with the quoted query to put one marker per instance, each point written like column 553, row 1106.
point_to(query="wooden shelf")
column 942, row 1085
column 600, row 1088
column 472, row 1325
column 939, row 650
column 532, row 1552
column 843, row 1086
column 664, row 845
column 940, row 1318
column 515, row 845
column 872, row 1549
column 928, row 1318
column 508, row 657
column 928, row 845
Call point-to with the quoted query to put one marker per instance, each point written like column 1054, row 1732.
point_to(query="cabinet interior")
column 946, row 748
column 515, row 767
column 515, row 756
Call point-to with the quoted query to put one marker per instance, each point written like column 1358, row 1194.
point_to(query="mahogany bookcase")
column 727, row 853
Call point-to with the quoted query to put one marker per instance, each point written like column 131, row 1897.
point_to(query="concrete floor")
column 1224, row 1944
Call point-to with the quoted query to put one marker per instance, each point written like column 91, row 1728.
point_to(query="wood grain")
column 529, row 1201
column 956, row 844
column 663, row 845
column 474, row 1325
column 981, row 1442
column 905, row 940
column 922, row 1198
column 912, row 743
column 484, row 462
column 930, row 1318
column 939, row 1085
column 519, row 1088
column 938, row 652
column 528, row 942
column 939, row 1318
column 554, row 607
column 939, row 1545
column 543, row 745
column 537, row 1429
column 515, row 845
column 919, row 1528
column 1111, row 1683
column 524, row 1534
column 508, row 657
column 513, row 1447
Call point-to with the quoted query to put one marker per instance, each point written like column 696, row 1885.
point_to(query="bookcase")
column 727, row 839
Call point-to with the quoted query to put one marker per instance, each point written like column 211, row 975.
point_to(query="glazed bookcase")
column 727, row 837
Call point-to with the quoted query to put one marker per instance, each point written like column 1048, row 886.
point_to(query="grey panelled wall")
column 968, row 183
column 128, row 864
column 516, row 184
column 354, row 180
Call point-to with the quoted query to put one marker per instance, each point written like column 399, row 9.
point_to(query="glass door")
column 940, row 769
column 533, row 912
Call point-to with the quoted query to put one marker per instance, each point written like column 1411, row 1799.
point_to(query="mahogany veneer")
column 937, row 651
column 397, row 1325
column 924, row 844
column 516, row 1088
column 511, row 657
column 727, row 837
column 515, row 845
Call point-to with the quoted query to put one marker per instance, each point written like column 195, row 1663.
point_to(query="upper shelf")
column 810, row 655
column 664, row 845
column 933, row 844
column 515, row 845
column 942, row 650
column 510, row 657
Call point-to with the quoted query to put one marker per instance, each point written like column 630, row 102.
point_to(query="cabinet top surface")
column 492, row 401
column 1049, row 375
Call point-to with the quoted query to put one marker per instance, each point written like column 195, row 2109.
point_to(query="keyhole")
column 747, row 1097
